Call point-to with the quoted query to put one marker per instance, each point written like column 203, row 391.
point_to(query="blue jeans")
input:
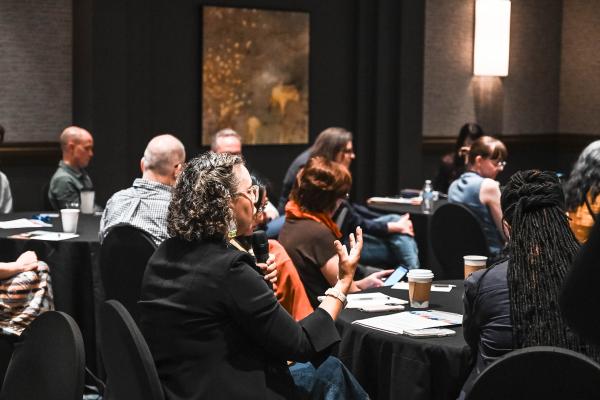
column 274, row 226
column 331, row 381
column 391, row 250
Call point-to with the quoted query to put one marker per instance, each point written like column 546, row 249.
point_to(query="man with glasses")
column 145, row 204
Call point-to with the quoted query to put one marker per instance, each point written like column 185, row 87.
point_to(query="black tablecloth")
column 399, row 367
column 421, row 222
column 74, row 271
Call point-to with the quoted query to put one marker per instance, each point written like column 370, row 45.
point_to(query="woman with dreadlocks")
column 514, row 303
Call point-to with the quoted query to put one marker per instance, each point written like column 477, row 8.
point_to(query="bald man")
column 227, row 141
column 145, row 204
column 70, row 177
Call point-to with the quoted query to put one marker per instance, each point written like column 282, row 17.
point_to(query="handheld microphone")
column 260, row 246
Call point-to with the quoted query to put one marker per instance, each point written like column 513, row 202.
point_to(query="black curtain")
column 389, row 94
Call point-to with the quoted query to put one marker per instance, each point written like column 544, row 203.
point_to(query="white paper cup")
column 69, row 217
column 87, row 201
column 474, row 263
column 419, row 287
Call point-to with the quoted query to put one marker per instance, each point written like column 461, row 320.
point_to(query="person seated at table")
column 288, row 288
column 229, row 141
column 389, row 239
column 6, row 203
column 309, row 231
column 580, row 298
column 582, row 191
column 213, row 326
column 477, row 188
column 146, row 203
column 514, row 303
column 70, row 178
column 331, row 144
column 452, row 165
column 25, row 292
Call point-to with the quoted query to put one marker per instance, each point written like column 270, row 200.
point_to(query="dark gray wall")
column 525, row 102
column 35, row 68
column 580, row 67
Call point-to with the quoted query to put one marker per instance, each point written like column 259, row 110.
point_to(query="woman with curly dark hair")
column 514, row 303
column 582, row 191
column 213, row 325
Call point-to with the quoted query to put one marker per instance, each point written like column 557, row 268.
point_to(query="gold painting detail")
column 255, row 74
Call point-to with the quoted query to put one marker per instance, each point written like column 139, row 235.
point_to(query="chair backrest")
column 538, row 373
column 123, row 256
column 455, row 231
column 49, row 361
column 131, row 373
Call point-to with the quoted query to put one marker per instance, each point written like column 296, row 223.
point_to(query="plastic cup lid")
column 475, row 258
column 420, row 274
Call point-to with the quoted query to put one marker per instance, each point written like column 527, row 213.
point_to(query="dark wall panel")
column 146, row 79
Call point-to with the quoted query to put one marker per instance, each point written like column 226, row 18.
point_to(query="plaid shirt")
column 144, row 205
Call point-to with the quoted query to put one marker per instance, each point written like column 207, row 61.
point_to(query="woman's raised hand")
column 348, row 260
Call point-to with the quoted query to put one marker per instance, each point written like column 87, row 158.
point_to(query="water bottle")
column 427, row 195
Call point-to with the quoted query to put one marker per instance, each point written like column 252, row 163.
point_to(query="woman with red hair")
column 309, row 231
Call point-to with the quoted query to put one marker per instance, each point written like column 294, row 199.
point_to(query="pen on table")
column 372, row 298
column 443, row 285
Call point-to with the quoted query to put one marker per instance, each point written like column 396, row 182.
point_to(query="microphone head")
column 260, row 245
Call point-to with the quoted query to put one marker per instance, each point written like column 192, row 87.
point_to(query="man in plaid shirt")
column 145, row 204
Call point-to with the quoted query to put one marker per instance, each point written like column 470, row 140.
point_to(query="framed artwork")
column 255, row 74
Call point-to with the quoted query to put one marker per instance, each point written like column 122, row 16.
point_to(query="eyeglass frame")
column 254, row 196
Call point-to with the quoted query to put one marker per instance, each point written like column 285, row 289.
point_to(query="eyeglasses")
column 252, row 194
column 498, row 164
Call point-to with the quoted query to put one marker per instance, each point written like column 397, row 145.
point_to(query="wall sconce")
column 492, row 38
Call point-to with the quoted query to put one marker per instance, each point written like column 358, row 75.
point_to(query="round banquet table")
column 399, row 367
column 74, row 270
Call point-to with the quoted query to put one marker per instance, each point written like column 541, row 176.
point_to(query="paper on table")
column 24, row 223
column 369, row 300
column 395, row 200
column 436, row 287
column 45, row 235
column 400, row 322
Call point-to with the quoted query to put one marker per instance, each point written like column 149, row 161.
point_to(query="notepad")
column 374, row 302
column 45, row 235
column 394, row 200
column 24, row 223
column 411, row 320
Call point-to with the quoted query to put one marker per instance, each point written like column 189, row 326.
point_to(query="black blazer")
column 216, row 330
column 486, row 319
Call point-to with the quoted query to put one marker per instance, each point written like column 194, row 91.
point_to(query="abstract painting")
column 255, row 74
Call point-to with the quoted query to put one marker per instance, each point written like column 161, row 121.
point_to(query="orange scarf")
column 293, row 211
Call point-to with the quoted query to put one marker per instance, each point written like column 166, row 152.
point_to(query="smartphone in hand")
column 396, row 276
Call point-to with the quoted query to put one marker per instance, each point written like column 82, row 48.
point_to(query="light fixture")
column 492, row 38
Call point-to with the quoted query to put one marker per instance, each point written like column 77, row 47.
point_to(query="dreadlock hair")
column 541, row 249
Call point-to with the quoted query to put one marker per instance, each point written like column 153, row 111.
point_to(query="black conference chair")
column 131, row 373
column 48, row 362
column 456, row 232
column 538, row 373
column 123, row 257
